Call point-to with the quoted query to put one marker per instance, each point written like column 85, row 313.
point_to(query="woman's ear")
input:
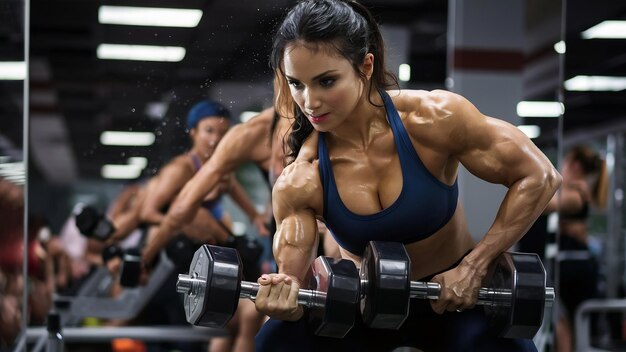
column 367, row 67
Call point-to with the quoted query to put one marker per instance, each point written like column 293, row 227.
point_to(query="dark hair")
column 349, row 28
column 593, row 166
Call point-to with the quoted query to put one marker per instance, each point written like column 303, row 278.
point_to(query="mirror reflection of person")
column 585, row 184
column 259, row 141
column 378, row 164
column 208, row 122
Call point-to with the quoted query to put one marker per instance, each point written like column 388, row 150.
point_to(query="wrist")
column 475, row 264
column 297, row 314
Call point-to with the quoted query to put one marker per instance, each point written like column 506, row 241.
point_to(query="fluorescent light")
column 120, row 171
column 560, row 47
column 247, row 115
column 595, row 83
column 532, row 131
column 404, row 72
column 540, row 109
column 141, row 52
column 135, row 139
column 13, row 172
column 138, row 161
column 606, row 30
column 149, row 16
column 12, row 70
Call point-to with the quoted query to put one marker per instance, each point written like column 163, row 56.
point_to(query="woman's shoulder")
column 428, row 105
column 181, row 165
column 431, row 117
column 299, row 182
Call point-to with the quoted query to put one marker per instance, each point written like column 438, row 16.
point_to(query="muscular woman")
column 379, row 164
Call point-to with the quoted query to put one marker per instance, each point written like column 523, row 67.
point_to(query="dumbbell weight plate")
column 339, row 278
column 385, row 285
column 131, row 268
column 86, row 219
column 103, row 230
column 215, row 303
column 524, row 275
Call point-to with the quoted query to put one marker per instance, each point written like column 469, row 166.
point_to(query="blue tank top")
column 424, row 205
column 214, row 206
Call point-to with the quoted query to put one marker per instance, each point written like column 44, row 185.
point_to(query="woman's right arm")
column 232, row 151
column 295, row 243
column 170, row 180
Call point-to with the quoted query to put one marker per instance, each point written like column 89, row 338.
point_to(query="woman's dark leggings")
column 424, row 329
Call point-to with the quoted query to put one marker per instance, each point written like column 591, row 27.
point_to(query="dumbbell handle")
column 192, row 285
column 307, row 298
column 486, row 296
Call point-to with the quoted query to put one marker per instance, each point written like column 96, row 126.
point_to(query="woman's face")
column 208, row 133
column 323, row 84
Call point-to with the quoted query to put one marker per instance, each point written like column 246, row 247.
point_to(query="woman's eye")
column 327, row 82
column 295, row 84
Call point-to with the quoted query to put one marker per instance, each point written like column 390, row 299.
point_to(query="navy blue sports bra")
column 424, row 205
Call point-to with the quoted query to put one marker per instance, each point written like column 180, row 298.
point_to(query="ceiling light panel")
column 149, row 16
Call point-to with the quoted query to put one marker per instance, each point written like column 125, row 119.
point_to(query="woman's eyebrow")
column 314, row 78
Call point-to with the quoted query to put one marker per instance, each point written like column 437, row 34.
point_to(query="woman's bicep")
column 295, row 243
column 498, row 152
column 294, row 199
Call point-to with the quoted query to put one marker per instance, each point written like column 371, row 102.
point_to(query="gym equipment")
column 182, row 249
column 213, row 287
column 131, row 268
column 131, row 264
column 91, row 223
column 111, row 252
column 515, row 299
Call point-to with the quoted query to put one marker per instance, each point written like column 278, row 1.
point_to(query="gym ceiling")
column 75, row 96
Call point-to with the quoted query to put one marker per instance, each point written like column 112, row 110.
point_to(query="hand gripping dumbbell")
column 213, row 287
column 131, row 264
column 514, row 299
column 91, row 223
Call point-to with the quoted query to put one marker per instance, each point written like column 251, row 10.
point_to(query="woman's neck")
column 364, row 123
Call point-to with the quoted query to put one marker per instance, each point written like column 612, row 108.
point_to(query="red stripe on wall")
column 490, row 60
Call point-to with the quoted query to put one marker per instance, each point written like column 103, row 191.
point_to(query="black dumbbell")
column 131, row 264
column 111, row 252
column 93, row 224
column 213, row 287
column 515, row 299
column 131, row 268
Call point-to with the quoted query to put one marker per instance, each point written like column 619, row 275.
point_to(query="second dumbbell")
column 213, row 288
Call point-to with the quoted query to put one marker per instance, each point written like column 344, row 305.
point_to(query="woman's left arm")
column 497, row 152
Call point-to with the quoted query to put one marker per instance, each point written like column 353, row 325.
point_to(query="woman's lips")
column 319, row 119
